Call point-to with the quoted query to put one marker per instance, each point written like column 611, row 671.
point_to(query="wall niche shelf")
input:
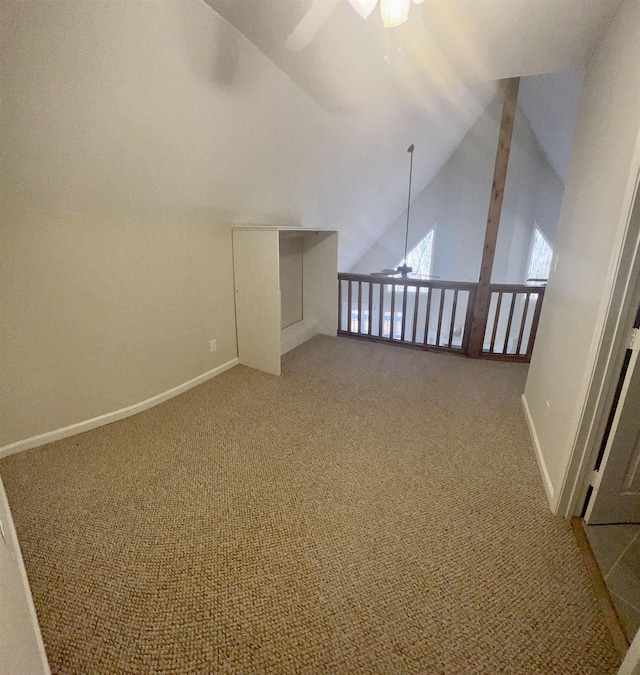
column 286, row 290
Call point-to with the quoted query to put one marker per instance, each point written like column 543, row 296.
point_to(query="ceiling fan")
column 404, row 271
column 392, row 12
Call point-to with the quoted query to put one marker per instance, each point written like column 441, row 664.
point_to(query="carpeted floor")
column 373, row 510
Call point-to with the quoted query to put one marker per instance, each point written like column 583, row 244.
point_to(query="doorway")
column 611, row 512
column 616, row 549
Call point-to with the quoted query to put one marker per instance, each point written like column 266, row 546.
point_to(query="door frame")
column 602, row 505
column 616, row 317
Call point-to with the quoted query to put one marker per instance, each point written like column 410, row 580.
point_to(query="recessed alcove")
column 286, row 290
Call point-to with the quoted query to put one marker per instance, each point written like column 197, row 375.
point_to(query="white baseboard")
column 546, row 480
column 94, row 422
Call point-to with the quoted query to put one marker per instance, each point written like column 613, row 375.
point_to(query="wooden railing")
column 437, row 315
column 512, row 322
column 421, row 313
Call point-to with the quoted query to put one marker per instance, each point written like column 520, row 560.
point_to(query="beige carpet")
column 373, row 510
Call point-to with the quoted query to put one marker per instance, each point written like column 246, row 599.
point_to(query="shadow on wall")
column 213, row 60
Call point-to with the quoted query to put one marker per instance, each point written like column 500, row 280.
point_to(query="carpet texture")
column 373, row 510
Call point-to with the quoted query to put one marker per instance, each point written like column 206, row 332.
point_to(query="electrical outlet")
column 213, row 345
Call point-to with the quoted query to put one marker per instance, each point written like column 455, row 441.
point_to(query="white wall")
column 291, row 270
column 133, row 133
column 146, row 107
column 551, row 104
column 457, row 199
column 591, row 230
column 163, row 106
column 100, row 313
column 533, row 194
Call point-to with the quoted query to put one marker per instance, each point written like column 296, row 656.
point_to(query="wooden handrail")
column 400, row 281
column 517, row 288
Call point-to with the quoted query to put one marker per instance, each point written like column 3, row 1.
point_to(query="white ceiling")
column 424, row 83
column 444, row 43
column 210, row 112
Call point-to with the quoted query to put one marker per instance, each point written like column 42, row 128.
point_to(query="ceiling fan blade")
column 384, row 273
column 395, row 273
column 310, row 24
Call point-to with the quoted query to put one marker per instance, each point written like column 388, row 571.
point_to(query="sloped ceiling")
column 425, row 82
column 351, row 62
column 179, row 107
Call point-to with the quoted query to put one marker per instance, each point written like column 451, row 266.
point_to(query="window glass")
column 540, row 256
column 421, row 255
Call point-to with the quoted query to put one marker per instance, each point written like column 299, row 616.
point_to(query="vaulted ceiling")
column 426, row 81
column 202, row 106
column 345, row 61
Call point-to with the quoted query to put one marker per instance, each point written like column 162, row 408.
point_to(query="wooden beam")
column 509, row 97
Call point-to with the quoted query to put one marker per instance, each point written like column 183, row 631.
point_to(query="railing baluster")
column 428, row 316
column 534, row 323
column 468, row 320
column 506, row 335
column 415, row 314
column 453, row 316
column 339, row 303
column 525, row 312
column 359, row 306
column 393, row 311
column 350, row 328
column 443, row 292
column 370, row 316
column 381, row 312
column 495, row 323
column 404, row 312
